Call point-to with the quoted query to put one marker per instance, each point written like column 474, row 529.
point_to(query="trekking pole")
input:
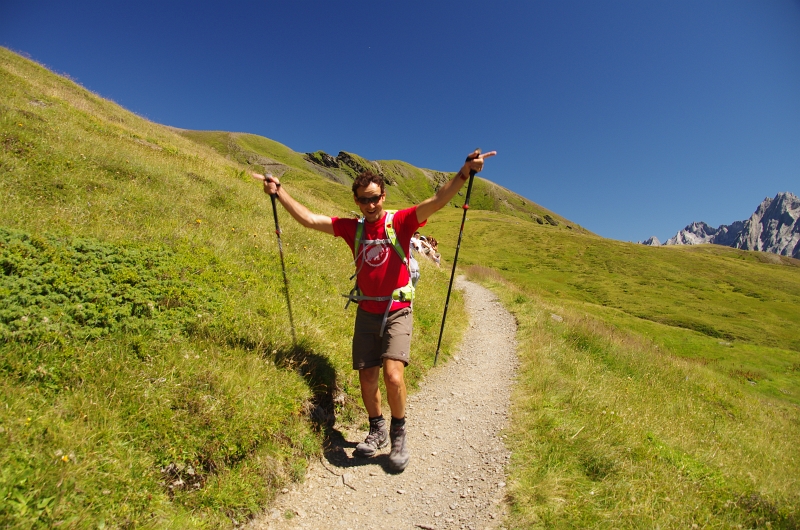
column 283, row 264
column 455, row 260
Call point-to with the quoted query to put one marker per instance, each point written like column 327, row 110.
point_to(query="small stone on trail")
column 348, row 479
column 401, row 492
column 285, row 490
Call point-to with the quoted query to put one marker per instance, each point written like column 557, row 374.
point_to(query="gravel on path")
column 456, row 475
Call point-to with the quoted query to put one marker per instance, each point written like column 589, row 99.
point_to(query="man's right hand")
column 474, row 162
column 271, row 183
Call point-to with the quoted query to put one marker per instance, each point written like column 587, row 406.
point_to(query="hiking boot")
column 377, row 438
column 398, row 458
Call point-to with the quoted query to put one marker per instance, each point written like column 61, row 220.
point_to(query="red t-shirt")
column 382, row 271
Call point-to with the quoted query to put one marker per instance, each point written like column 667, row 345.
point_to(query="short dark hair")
column 365, row 179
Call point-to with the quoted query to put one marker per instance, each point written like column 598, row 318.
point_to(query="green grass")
column 611, row 430
column 149, row 376
column 723, row 307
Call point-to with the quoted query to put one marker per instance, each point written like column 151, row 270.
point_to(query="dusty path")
column 456, row 476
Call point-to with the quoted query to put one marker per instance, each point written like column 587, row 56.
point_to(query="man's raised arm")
column 430, row 206
column 302, row 215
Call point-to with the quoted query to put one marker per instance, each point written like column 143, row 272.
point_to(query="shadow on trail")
column 320, row 375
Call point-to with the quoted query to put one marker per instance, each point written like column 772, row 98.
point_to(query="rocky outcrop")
column 774, row 227
column 347, row 161
column 550, row 219
column 323, row 159
column 357, row 164
column 651, row 242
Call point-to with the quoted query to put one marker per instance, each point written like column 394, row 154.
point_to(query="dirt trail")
column 456, row 476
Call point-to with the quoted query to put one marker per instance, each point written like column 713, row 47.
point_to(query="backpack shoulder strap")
column 388, row 227
column 359, row 235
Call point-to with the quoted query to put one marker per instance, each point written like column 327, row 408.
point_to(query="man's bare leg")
column 393, row 378
column 370, row 391
column 378, row 436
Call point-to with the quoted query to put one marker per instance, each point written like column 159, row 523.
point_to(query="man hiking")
column 382, row 331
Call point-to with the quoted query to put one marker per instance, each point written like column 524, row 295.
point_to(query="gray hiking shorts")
column 370, row 349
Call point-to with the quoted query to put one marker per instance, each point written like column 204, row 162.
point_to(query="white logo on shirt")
column 376, row 255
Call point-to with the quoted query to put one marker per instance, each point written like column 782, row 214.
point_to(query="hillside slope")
column 147, row 363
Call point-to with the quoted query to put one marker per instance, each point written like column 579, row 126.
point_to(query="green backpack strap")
column 388, row 227
column 359, row 235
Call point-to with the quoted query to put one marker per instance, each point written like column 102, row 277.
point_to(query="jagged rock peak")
column 694, row 234
column 651, row 241
column 774, row 227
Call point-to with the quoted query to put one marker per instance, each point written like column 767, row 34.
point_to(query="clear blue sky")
column 631, row 118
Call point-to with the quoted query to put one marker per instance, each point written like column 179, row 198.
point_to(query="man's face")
column 369, row 200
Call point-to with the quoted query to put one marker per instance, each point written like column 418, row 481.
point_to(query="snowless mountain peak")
column 773, row 227
column 651, row 241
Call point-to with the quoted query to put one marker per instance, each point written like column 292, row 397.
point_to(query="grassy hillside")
column 733, row 310
column 148, row 372
column 150, row 378
column 610, row 429
column 660, row 387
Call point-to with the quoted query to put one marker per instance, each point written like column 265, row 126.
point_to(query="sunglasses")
column 369, row 200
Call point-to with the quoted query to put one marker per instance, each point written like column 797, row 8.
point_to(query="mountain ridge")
column 774, row 227
column 406, row 184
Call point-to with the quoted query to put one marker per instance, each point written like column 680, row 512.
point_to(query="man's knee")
column 393, row 374
column 369, row 376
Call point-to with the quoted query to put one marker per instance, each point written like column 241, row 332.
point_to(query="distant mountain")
column 651, row 241
column 774, row 227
